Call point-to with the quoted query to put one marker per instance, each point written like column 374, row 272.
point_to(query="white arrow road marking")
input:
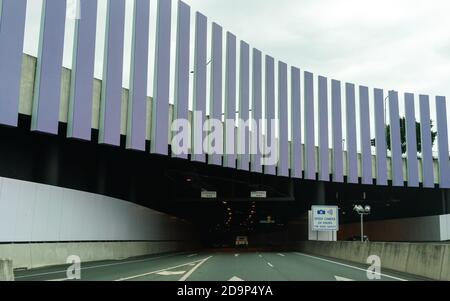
column 271, row 265
column 169, row 273
column 338, row 278
column 349, row 266
column 186, row 276
column 235, row 278
column 161, row 270
column 282, row 255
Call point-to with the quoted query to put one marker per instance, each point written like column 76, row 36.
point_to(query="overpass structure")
column 321, row 129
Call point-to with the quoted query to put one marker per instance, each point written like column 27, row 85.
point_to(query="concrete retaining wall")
column 6, row 270
column 429, row 260
column 33, row 255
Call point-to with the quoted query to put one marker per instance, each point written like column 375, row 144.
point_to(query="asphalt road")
column 217, row 266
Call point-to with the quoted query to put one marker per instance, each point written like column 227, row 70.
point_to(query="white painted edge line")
column 282, row 255
column 349, row 266
column 271, row 265
column 103, row 265
column 62, row 279
column 192, row 255
column 186, row 276
column 158, row 271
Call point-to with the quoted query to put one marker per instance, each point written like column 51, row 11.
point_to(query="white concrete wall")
column 425, row 228
column 31, row 212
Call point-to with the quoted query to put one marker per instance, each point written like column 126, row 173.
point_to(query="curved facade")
column 309, row 144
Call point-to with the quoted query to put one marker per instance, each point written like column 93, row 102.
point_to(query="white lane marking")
column 339, row 278
column 186, row 276
column 170, row 273
column 235, row 278
column 192, row 255
column 102, row 265
column 62, row 279
column 350, row 266
column 271, row 265
column 158, row 271
column 236, row 255
column 282, row 255
column 260, row 256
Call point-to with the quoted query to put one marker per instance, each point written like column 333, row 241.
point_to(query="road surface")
column 217, row 266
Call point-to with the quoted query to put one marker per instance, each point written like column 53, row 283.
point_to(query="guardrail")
column 431, row 260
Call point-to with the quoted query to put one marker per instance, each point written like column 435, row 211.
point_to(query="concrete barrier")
column 6, row 270
column 33, row 255
column 430, row 260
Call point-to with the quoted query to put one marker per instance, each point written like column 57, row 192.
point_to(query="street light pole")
column 362, row 211
column 362, row 227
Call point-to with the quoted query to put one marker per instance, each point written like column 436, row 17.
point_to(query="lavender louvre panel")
column 442, row 136
column 296, row 125
column 182, row 67
column 256, row 110
column 137, row 104
column 324, row 172
column 216, row 85
column 111, row 101
column 380, row 137
column 199, row 98
column 270, row 112
column 336, row 99
column 396, row 148
column 352, row 159
column 160, row 116
column 283, row 144
column 411, row 141
column 366, row 152
column 230, row 102
column 12, row 24
column 310, row 148
column 47, row 87
column 82, row 79
column 244, row 98
column 425, row 135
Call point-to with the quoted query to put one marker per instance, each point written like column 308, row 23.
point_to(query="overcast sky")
column 392, row 44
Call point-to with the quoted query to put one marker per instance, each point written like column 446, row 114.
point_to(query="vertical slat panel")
column 364, row 119
column 296, row 125
column 12, row 24
column 182, row 65
column 216, row 84
column 352, row 159
column 338, row 172
column 396, row 149
column 47, row 89
column 230, row 101
column 425, row 135
column 244, row 99
column 160, row 116
column 324, row 173
column 111, row 102
column 270, row 109
column 82, row 79
column 256, row 110
column 310, row 148
column 380, row 137
column 442, row 136
column 137, row 104
column 199, row 97
column 283, row 144
column 411, row 141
